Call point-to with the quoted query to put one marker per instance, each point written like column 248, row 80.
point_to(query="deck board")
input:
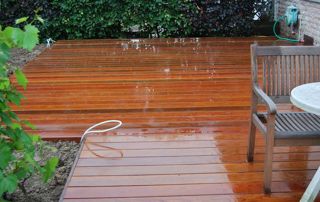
column 185, row 108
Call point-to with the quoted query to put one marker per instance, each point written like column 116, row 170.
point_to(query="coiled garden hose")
column 90, row 130
column 278, row 36
column 49, row 42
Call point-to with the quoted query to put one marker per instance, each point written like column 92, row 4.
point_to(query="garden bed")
column 19, row 57
column 37, row 191
column 66, row 151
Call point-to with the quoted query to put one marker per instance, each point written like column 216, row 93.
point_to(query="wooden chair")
column 276, row 70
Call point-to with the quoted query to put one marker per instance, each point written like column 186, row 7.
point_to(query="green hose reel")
column 291, row 18
column 291, row 15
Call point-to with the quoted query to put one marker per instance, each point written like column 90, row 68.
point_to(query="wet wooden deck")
column 163, row 83
column 193, row 167
column 185, row 107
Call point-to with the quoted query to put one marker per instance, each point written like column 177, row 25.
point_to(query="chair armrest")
column 272, row 107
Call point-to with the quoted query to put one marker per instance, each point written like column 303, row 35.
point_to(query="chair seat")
column 296, row 125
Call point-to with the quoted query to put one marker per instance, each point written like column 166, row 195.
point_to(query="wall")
column 310, row 17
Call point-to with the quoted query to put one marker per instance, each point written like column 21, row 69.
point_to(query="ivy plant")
column 17, row 147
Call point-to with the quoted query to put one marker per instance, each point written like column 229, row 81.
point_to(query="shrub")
column 114, row 18
column 17, row 147
column 263, row 10
column 158, row 17
column 21, row 8
column 222, row 18
column 71, row 19
column 85, row 19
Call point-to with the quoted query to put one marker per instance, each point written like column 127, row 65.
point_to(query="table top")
column 307, row 97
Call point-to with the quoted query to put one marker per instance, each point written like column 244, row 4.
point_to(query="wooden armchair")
column 281, row 68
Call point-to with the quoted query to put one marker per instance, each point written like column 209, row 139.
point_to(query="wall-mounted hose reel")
column 291, row 19
column 291, row 15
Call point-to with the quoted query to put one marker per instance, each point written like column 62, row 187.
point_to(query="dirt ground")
column 37, row 191
column 19, row 57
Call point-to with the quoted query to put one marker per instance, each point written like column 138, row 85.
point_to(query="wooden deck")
column 165, row 83
column 194, row 167
column 185, row 107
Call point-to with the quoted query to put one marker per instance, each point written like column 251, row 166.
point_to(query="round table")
column 307, row 97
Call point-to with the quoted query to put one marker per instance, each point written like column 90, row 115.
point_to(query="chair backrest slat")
column 284, row 67
column 264, row 75
column 316, row 63
column 293, row 71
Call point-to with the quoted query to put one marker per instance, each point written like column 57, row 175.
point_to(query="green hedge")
column 71, row 19
column 116, row 18
column 222, row 18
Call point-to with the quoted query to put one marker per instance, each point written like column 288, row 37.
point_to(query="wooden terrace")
column 185, row 108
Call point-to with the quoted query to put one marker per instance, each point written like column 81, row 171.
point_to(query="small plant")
column 17, row 147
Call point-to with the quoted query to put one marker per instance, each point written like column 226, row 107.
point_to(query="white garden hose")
column 49, row 42
column 90, row 130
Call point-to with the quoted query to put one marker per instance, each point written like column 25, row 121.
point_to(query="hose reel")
column 291, row 19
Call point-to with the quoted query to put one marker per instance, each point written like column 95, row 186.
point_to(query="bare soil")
column 20, row 57
column 37, row 191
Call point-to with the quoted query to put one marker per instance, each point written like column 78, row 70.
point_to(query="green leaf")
column 9, row 132
column 14, row 98
column 4, row 54
column 14, row 35
column 31, row 38
column 49, row 169
column 30, row 125
column 40, row 19
column 21, row 172
column 8, row 184
column 21, row 142
column 21, row 78
column 5, row 119
column 13, row 115
column 4, row 84
column 16, row 126
column 21, row 20
column 29, row 157
column 18, row 37
column 24, row 137
column 35, row 138
column 3, row 72
column 6, row 156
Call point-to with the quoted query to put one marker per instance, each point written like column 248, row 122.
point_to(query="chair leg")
column 268, row 157
column 251, row 142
